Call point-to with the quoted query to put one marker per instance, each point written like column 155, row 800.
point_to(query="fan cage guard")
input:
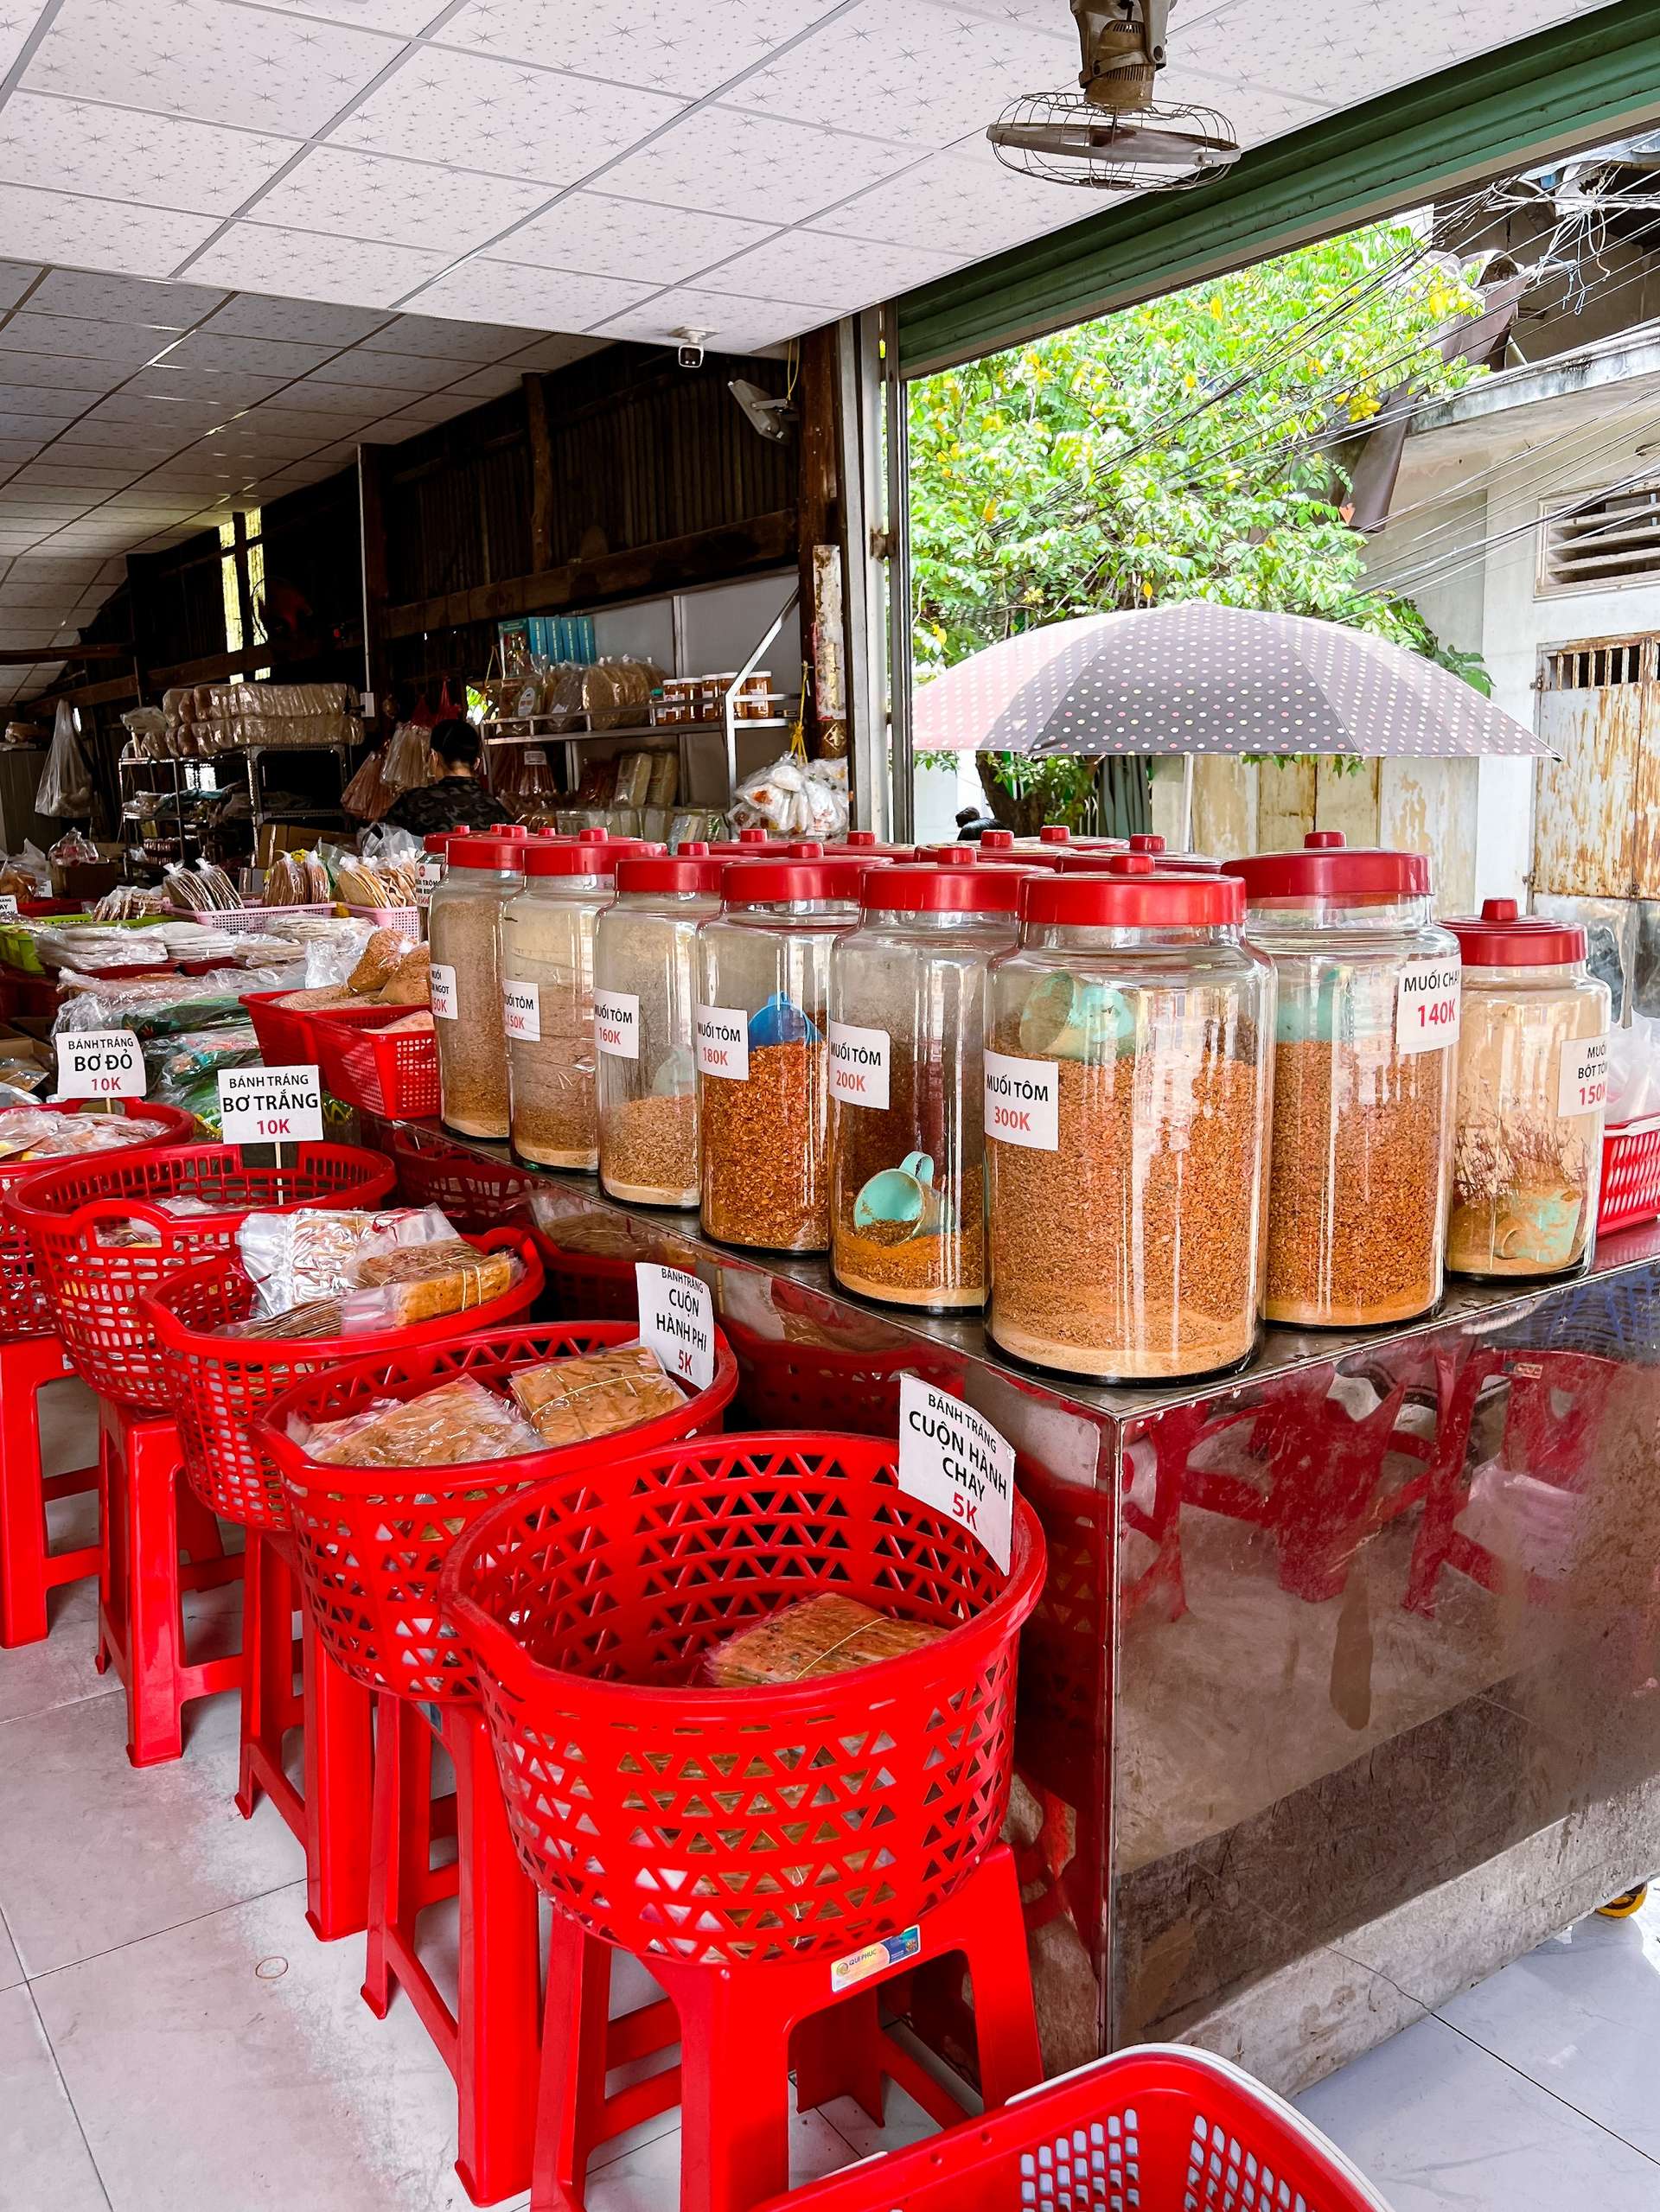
column 1104, row 152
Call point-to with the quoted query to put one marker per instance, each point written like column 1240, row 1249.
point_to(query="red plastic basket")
column 397, row 1076
column 23, row 1308
column 372, row 1539
column 1630, row 1177
column 220, row 1383
column 476, row 1193
column 731, row 1827
column 94, row 1287
column 591, row 1254
column 1164, row 2129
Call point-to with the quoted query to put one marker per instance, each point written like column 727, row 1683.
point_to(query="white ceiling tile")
column 123, row 299
column 272, row 417
column 208, row 59
column 553, row 353
column 542, row 299
column 724, row 163
column 309, row 397
column 813, row 270
column 307, row 322
column 112, row 572
column 732, row 325
column 683, row 47
column 489, row 383
column 37, row 414
column 117, row 153
column 442, row 407
column 68, row 474
column 59, row 372
column 257, row 258
column 919, row 75
column 387, row 370
column 963, row 203
column 32, row 592
column 397, row 202
column 279, row 359
column 19, row 448
column 58, row 571
column 124, row 345
column 16, row 277
column 603, row 236
column 406, row 17
column 505, row 117
column 223, row 393
column 135, row 241
column 449, row 341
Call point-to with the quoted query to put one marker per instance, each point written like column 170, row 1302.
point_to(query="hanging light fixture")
column 1111, row 134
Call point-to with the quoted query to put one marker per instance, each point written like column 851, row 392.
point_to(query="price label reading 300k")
column 269, row 1105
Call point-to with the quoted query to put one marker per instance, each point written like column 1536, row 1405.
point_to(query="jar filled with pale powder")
column 463, row 929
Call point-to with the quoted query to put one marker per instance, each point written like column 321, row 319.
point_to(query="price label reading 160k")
column 269, row 1105
column 100, row 1064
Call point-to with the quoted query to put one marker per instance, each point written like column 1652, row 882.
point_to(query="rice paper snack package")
column 827, row 1635
column 458, row 1423
column 597, row 1394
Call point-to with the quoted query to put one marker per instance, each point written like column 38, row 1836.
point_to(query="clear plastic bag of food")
column 830, row 1633
column 451, row 1426
column 595, row 1393
column 293, row 1259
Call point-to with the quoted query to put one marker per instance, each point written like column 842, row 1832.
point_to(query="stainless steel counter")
column 1344, row 1687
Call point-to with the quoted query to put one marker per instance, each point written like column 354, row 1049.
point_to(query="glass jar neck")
column 1395, row 916
column 1078, row 937
column 794, row 913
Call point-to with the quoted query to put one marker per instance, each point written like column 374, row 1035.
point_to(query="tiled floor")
column 172, row 2039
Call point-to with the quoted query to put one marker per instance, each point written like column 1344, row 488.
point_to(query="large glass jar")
column 1533, row 1076
column 1364, row 1049
column 1125, row 1119
column 763, row 1091
column 906, row 1036
column 547, row 991
column 463, row 928
column 645, row 993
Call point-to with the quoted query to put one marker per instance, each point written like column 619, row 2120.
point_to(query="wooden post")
column 818, row 501
column 541, row 473
column 371, row 461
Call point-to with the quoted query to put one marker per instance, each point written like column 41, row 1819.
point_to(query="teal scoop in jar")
column 1076, row 1017
column 780, row 1020
column 905, row 1198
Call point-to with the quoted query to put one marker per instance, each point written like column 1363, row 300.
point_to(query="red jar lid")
column 774, row 882
column 439, row 840
column 1145, row 842
column 996, row 840
column 1128, row 899
column 540, row 859
column 928, row 888
column 1500, row 937
column 1328, row 868
column 1082, row 864
column 684, row 870
column 491, row 852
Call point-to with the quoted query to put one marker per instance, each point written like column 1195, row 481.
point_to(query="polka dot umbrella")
column 1194, row 678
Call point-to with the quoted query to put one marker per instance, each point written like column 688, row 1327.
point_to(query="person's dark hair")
column 456, row 743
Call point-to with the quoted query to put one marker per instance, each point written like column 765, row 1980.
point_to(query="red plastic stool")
column 772, row 1855
column 150, row 1518
column 370, row 1542
column 28, row 1569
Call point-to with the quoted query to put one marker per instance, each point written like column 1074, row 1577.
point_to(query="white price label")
column 955, row 1460
column 723, row 1042
column 521, row 1012
column 269, row 1105
column 1426, row 1001
column 859, row 1065
column 7, row 907
column 1023, row 1102
column 1584, row 1082
column 429, row 876
column 445, row 1003
column 100, row 1064
column 616, row 1024
column 676, row 1319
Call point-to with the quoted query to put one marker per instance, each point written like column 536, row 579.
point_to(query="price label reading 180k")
column 269, row 1105
column 100, row 1064
column 1426, row 1001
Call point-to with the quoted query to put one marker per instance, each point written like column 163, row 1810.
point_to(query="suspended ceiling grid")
column 598, row 168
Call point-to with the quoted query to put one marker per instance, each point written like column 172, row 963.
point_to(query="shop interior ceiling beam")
column 220, row 668
column 736, row 548
column 25, row 656
column 1595, row 79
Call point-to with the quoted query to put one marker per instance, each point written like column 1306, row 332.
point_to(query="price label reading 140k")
column 269, row 1105
column 100, row 1064
column 1427, row 1002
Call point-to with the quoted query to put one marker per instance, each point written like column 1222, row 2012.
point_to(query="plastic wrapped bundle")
column 453, row 1426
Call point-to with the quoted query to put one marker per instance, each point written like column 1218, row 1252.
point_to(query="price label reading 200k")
column 1426, row 1001
column 100, row 1064
column 269, row 1105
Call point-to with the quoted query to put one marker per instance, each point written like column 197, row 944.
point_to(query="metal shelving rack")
column 169, row 805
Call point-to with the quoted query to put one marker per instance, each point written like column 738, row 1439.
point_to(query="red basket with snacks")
column 221, row 1383
column 372, row 1539
column 103, row 1233
column 1630, row 1177
column 370, row 1059
column 476, row 1194
column 1164, row 2128
column 285, row 1034
column 591, row 1252
column 23, row 1308
column 726, row 1815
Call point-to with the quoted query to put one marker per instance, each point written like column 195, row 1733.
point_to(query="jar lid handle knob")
column 1498, row 910
column 1324, row 841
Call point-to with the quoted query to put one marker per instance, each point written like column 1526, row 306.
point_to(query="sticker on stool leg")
column 875, row 1959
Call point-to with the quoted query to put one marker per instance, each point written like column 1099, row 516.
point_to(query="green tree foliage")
column 1183, row 450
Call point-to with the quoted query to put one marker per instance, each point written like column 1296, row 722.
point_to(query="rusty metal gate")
column 1597, row 824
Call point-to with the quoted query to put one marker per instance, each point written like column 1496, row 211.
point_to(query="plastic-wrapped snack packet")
column 451, row 1426
column 295, row 1258
column 425, row 1282
column 597, row 1394
column 827, row 1635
